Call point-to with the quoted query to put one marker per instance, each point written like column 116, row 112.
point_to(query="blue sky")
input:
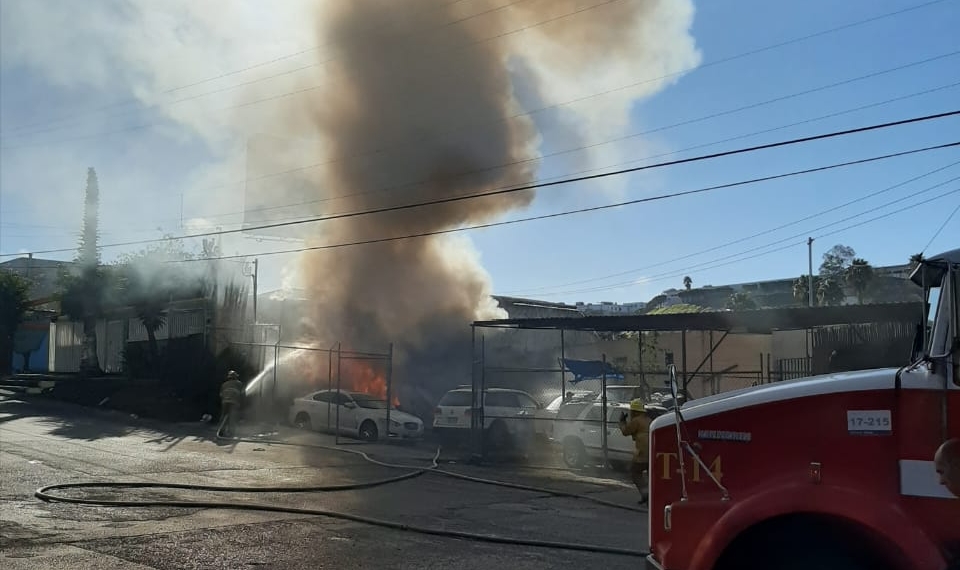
column 143, row 170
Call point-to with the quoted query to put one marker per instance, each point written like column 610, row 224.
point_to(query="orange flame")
column 355, row 375
column 360, row 376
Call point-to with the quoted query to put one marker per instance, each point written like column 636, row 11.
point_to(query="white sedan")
column 360, row 415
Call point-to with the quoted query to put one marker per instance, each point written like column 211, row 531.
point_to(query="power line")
column 942, row 226
column 712, row 265
column 579, row 210
column 483, row 170
column 747, row 238
column 534, row 186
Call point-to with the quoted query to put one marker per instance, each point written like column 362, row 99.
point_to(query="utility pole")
column 810, row 269
column 256, row 269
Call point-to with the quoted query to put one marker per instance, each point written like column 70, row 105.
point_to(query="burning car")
column 353, row 413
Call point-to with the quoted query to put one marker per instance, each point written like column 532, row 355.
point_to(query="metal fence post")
column 336, row 431
column 389, row 379
column 329, row 381
column 603, row 424
column 481, row 420
column 563, row 375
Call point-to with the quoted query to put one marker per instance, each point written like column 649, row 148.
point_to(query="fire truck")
column 826, row 472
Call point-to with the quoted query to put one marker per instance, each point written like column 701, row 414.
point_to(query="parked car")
column 622, row 394
column 548, row 414
column 509, row 415
column 361, row 415
column 579, row 433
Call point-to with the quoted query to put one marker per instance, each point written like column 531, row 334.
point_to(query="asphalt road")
column 43, row 442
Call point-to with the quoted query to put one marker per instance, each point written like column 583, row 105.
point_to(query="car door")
column 320, row 404
column 502, row 407
column 620, row 446
column 590, row 428
column 528, row 419
column 346, row 409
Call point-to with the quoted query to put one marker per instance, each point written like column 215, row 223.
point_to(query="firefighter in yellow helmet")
column 231, row 396
column 637, row 426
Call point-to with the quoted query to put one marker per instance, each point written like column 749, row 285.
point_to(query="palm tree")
column 859, row 275
column 801, row 288
column 829, row 291
column 687, row 282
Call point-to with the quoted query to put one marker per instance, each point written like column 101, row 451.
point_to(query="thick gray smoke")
column 420, row 106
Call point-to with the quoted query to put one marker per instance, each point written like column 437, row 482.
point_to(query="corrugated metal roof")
column 756, row 321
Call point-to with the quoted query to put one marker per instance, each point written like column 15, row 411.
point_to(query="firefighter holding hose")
column 231, row 395
column 637, row 426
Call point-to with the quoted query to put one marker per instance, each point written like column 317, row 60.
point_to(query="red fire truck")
column 826, row 472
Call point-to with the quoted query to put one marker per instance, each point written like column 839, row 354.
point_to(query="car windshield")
column 369, row 401
column 623, row 394
column 462, row 398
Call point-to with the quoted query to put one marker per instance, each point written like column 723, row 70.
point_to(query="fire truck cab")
column 827, row 472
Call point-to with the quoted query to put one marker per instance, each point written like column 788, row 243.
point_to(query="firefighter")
column 637, row 426
column 947, row 462
column 231, row 395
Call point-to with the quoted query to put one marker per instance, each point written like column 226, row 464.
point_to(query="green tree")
column 860, row 276
column 836, row 260
column 13, row 305
column 741, row 301
column 687, row 283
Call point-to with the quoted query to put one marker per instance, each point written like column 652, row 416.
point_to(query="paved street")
column 43, row 442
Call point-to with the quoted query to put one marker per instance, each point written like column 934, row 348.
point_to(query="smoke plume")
column 420, row 106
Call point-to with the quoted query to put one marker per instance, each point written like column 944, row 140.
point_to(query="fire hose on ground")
column 45, row 494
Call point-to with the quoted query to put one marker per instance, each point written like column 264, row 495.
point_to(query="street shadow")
column 88, row 423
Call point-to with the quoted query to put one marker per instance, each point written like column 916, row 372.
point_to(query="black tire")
column 368, row 431
column 801, row 544
column 821, row 559
column 619, row 466
column 302, row 421
column 574, row 454
column 498, row 438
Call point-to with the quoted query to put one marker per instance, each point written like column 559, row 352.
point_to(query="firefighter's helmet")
column 636, row 405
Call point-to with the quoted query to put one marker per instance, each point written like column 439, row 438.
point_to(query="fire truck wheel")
column 796, row 545
column 574, row 454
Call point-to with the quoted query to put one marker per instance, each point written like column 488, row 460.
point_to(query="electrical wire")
column 510, row 190
column 558, row 214
column 712, row 265
column 488, row 169
column 942, row 226
column 743, row 239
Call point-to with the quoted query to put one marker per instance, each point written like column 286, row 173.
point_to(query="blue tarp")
column 590, row 369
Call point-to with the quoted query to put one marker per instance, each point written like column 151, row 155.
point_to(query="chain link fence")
column 332, row 390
